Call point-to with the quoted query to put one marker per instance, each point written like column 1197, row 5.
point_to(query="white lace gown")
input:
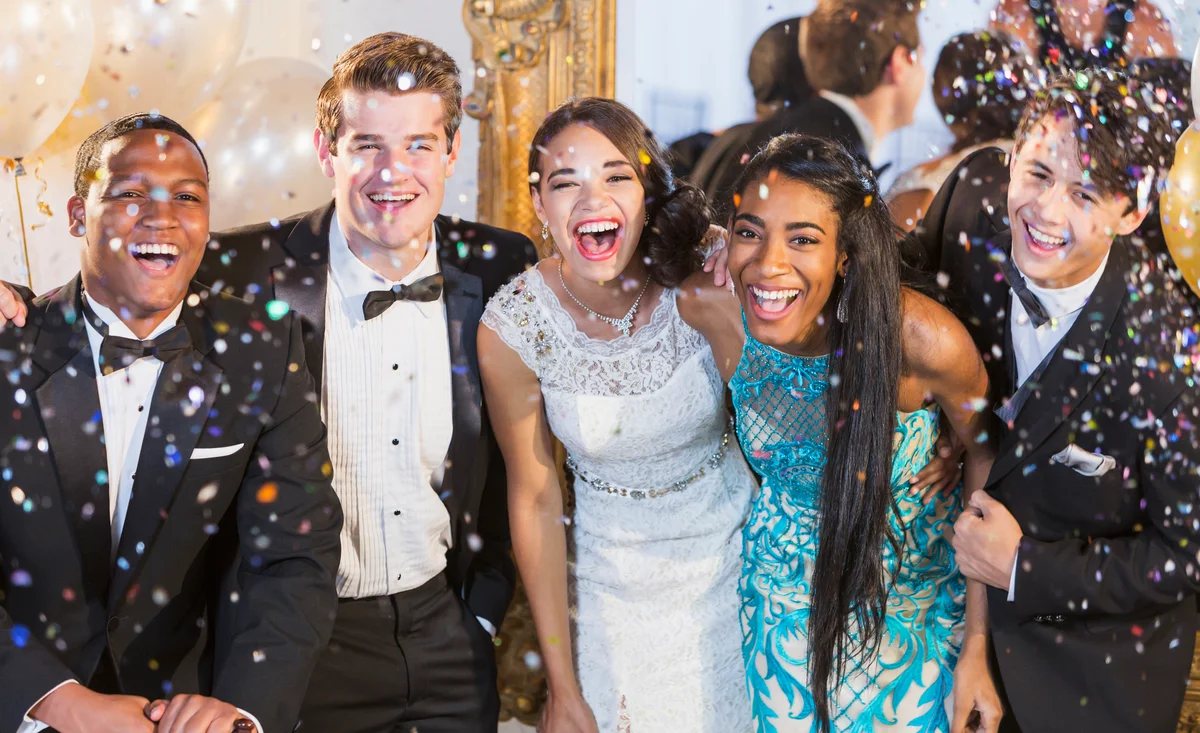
column 661, row 493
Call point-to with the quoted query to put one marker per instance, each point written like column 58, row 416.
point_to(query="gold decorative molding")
column 531, row 56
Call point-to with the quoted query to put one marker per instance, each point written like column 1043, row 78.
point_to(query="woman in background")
column 1070, row 35
column 980, row 85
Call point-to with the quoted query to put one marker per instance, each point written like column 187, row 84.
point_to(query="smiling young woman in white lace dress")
column 590, row 347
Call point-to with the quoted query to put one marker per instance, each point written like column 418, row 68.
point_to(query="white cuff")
column 487, row 625
column 28, row 724
column 1012, row 580
column 257, row 727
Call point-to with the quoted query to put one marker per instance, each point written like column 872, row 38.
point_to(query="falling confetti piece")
column 267, row 493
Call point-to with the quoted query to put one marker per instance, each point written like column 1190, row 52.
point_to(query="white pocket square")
column 1084, row 462
column 200, row 454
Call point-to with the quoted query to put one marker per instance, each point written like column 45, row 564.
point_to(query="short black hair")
column 87, row 160
column 776, row 71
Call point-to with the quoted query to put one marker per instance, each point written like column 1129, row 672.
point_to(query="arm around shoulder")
column 716, row 313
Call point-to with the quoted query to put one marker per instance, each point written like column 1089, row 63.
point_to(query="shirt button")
column 395, row 441
column 398, row 577
column 395, row 367
column 397, row 512
column 141, row 407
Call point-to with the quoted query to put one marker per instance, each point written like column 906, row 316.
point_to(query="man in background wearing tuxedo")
column 390, row 295
column 172, row 531
column 865, row 57
column 1086, row 534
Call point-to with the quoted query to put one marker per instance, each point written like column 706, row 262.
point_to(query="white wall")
column 287, row 28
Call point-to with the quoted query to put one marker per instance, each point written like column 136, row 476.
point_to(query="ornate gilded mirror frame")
column 530, row 55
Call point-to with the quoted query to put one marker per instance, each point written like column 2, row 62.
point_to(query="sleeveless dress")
column 782, row 426
column 1060, row 57
column 661, row 493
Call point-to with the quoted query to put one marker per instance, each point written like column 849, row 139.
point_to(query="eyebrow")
column 368, row 137
column 139, row 178
column 572, row 171
column 791, row 226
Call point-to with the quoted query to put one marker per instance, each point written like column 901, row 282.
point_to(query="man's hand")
column 985, row 539
column 976, row 703
column 12, row 306
column 195, row 714
column 74, row 708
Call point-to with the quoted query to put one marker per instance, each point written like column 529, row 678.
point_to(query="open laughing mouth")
column 598, row 239
column 770, row 303
column 1041, row 242
column 391, row 202
column 155, row 257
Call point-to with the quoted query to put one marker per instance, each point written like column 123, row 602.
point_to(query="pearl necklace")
column 623, row 324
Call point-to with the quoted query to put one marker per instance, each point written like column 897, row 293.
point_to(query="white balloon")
column 257, row 135
column 168, row 55
column 44, row 50
column 1196, row 81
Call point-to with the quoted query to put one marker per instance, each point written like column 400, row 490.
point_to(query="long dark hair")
column 678, row 211
column 981, row 83
column 865, row 367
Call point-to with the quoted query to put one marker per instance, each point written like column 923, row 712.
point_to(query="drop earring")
column 842, row 309
column 545, row 231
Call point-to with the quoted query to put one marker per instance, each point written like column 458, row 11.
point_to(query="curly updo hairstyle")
column 678, row 211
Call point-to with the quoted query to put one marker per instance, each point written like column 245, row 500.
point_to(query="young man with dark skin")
column 176, row 534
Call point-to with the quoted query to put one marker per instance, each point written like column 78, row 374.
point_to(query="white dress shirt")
column 125, row 396
column 1031, row 344
column 865, row 130
column 386, row 399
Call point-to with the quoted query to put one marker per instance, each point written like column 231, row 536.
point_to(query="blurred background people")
column 980, row 85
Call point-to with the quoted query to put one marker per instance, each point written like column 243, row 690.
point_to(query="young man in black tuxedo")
column 172, row 531
column 866, row 58
column 1086, row 534
column 390, row 295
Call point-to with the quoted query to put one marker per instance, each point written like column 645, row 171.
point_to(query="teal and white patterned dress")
column 904, row 686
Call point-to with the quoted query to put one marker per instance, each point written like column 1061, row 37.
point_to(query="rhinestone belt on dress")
column 708, row 464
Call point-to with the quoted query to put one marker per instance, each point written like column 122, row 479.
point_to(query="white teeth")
column 774, row 294
column 154, row 249
column 595, row 227
column 382, row 197
column 1045, row 239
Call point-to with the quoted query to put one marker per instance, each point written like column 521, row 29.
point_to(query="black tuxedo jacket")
column 289, row 262
column 1101, row 632
column 817, row 117
column 261, row 522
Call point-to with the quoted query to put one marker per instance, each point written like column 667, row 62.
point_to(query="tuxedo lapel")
column 69, row 406
column 183, row 397
column 302, row 280
column 1073, row 370
column 464, row 307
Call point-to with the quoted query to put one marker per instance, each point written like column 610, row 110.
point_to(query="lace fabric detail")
column 780, row 402
column 528, row 316
column 653, row 582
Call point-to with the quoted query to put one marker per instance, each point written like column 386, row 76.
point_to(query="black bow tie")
column 425, row 290
column 1033, row 306
column 118, row 352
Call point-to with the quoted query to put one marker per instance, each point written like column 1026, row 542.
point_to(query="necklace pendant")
column 624, row 325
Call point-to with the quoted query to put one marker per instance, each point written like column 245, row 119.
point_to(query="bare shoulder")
column 934, row 340
column 1150, row 33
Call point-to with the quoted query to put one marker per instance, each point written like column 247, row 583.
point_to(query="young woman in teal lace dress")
column 852, row 607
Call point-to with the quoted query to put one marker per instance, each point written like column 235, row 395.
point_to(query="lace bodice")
column 639, row 412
